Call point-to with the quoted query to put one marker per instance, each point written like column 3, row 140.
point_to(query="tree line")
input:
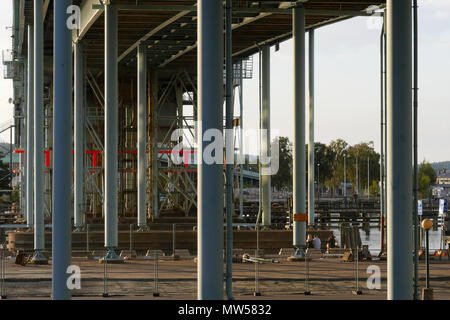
column 329, row 167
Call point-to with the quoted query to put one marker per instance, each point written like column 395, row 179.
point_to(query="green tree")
column 339, row 149
column 374, row 188
column 323, row 160
column 426, row 176
column 357, row 157
column 283, row 178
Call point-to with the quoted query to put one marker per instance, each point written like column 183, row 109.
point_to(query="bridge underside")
column 143, row 70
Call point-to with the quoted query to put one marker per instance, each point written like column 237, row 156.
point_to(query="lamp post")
column 427, row 293
column 345, row 176
column 357, row 177
column 318, row 184
column 368, row 178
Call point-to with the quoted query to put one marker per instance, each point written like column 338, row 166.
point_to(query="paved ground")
column 329, row 278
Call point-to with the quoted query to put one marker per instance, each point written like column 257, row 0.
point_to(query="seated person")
column 316, row 242
column 309, row 242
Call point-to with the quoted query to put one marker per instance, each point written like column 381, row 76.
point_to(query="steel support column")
column 39, row 228
column 210, row 175
column 265, row 136
column 78, row 135
column 111, row 131
column 142, row 136
column 299, row 174
column 399, row 156
column 382, row 124
column 241, row 142
column 154, row 142
column 62, row 163
column 229, row 146
column 415, row 181
column 311, row 145
column 30, row 128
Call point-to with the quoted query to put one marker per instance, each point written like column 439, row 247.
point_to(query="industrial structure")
column 111, row 81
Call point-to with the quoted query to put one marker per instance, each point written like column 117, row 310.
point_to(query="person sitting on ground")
column 328, row 248
column 309, row 242
column 316, row 242
column 332, row 241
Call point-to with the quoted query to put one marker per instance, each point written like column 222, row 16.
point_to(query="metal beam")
column 399, row 156
column 194, row 46
column 21, row 25
column 62, row 163
column 285, row 36
column 152, row 32
column 46, row 5
column 210, row 176
column 87, row 18
column 281, row 10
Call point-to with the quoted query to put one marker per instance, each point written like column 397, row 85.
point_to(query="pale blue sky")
column 347, row 82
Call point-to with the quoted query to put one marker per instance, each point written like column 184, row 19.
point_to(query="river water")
column 373, row 239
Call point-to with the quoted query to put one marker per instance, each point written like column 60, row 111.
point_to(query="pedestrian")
column 316, row 242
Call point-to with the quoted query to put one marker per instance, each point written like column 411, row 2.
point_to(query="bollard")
column 307, row 289
column 357, row 289
column 3, row 295
column 427, row 258
column 155, row 289
column 173, row 239
column 87, row 237
column 105, row 276
column 427, row 293
column 131, row 240
column 257, row 293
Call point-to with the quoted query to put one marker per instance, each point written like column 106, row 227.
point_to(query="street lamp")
column 368, row 178
column 427, row 293
column 345, row 176
column 357, row 177
column 318, row 184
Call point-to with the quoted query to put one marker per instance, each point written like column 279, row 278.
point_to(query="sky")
column 347, row 82
column 6, row 87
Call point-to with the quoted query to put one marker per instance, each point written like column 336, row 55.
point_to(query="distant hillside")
column 441, row 165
